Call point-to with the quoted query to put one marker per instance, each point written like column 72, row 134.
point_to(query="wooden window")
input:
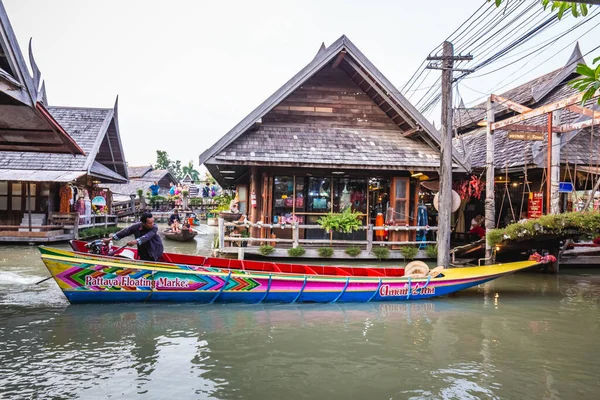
column 3, row 195
column 32, row 194
column 17, row 199
column 400, row 200
column 242, row 192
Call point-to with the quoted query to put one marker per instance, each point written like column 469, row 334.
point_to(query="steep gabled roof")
column 138, row 172
column 409, row 120
column 95, row 130
column 529, row 93
column 25, row 123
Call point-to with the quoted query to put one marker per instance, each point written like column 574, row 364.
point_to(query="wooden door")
column 400, row 201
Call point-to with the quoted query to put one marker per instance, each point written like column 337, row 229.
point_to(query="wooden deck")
column 61, row 227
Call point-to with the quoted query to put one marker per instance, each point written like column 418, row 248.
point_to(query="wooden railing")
column 296, row 241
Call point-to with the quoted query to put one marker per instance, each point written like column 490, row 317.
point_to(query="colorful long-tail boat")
column 92, row 278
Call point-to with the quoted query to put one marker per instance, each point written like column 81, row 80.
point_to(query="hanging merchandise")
column 379, row 234
column 345, row 201
column 470, row 188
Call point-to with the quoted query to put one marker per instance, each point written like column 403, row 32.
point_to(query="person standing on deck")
column 149, row 244
column 154, row 188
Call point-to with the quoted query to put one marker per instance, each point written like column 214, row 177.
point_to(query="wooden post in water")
column 29, row 203
column 555, row 166
column 370, row 236
column 490, row 202
column 549, row 163
column 221, row 234
column 445, row 194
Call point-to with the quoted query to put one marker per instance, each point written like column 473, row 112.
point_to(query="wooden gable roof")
column 529, row 93
column 576, row 146
column 25, row 123
column 391, row 133
column 95, row 130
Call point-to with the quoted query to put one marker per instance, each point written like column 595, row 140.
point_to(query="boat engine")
column 98, row 247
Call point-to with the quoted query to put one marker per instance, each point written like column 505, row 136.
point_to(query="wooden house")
column 53, row 160
column 337, row 135
column 521, row 165
column 25, row 121
column 142, row 177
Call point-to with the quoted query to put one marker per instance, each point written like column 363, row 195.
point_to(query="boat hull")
column 89, row 280
column 182, row 236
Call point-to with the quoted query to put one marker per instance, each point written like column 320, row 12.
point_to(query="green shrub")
column 325, row 252
column 560, row 225
column 409, row 252
column 296, row 251
column 431, row 251
column 344, row 222
column 353, row 251
column 140, row 193
column 381, row 252
column 265, row 249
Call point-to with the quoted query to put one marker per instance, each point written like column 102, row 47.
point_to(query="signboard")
column 565, row 187
column 535, row 205
column 515, row 135
column 99, row 201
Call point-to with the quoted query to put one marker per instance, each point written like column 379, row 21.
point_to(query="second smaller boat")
column 184, row 235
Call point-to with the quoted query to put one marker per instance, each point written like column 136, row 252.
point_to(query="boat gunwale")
column 449, row 274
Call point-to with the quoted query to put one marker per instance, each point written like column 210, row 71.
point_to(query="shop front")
column 381, row 199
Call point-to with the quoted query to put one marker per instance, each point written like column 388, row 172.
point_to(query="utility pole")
column 445, row 195
column 490, row 202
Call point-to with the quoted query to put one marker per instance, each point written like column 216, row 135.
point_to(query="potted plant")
column 344, row 222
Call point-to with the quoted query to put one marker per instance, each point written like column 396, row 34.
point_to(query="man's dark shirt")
column 150, row 246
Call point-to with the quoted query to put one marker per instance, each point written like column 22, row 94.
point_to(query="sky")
column 186, row 72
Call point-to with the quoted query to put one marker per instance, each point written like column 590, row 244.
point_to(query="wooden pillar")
column 445, row 194
column 221, row 234
column 555, row 167
column 370, row 236
column 29, row 203
column 549, row 166
column 254, row 192
column 490, row 202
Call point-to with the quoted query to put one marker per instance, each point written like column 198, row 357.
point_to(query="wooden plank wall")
column 330, row 99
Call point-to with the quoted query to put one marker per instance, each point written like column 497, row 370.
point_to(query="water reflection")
column 453, row 348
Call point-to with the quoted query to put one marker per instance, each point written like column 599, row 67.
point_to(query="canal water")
column 525, row 336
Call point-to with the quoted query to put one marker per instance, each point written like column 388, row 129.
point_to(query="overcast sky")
column 187, row 71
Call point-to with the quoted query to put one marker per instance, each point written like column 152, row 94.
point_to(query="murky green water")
column 526, row 336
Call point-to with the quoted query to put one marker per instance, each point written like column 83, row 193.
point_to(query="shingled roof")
column 138, row 172
column 25, row 123
column 258, row 140
column 95, row 130
column 141, row 177
column 529, row 93
column 577, row 147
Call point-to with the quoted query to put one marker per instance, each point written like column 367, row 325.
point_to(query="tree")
column 577, row 8
column 189, row 169
column 164, row 162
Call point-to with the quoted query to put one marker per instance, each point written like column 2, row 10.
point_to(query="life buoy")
column 436, row 271
column 416, row 267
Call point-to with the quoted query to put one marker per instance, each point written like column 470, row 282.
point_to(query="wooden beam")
column 112, row 156
column 539, row 111
column 580, row 125
column 530, row 128
column 411, row 131
column 584, row 111
column 338, row 59
column 380, row 92
column 510, row 104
